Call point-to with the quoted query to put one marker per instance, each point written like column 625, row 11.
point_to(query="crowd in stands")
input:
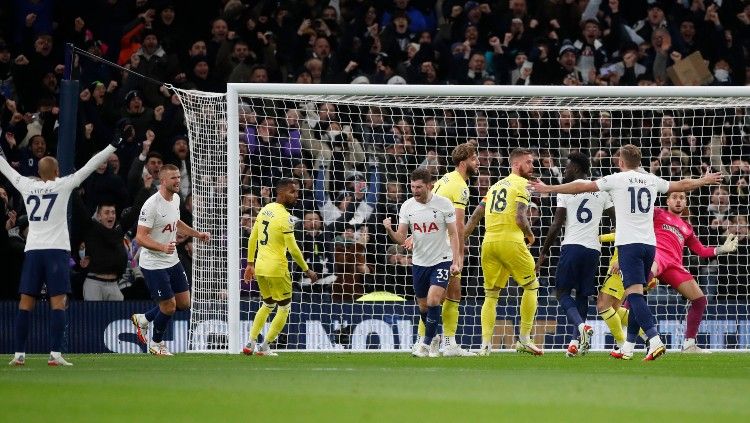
column 353, row 162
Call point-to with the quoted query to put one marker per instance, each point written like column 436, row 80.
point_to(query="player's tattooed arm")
column 473, row 221
column 523, row 223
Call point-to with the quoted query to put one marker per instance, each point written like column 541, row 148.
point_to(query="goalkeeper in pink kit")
column 672, row 235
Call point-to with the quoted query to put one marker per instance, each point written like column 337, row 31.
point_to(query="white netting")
column 353, row 155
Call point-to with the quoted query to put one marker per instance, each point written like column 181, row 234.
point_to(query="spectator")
column 102, row 254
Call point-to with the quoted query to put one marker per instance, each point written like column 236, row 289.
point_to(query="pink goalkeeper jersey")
column 673, row 234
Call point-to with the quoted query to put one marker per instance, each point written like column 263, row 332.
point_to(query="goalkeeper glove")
column 730, row 245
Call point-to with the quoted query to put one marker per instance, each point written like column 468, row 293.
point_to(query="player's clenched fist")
column 250, row 272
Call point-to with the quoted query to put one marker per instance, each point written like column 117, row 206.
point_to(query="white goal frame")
column 234, row 90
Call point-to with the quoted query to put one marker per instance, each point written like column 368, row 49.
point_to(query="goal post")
column 352, row 147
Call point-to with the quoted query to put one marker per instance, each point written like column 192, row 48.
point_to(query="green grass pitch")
column 377, row 387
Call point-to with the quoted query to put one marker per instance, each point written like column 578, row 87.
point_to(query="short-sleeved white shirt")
column 161, row 216
column 583, row 215
column 634, row 194
column 428, row 224
column 47, row 203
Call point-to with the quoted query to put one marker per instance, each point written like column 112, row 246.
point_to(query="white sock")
column 450, row 340
column 580, row 327
column 525, row 339
column 574, row 342
column 689, row 342
column 628, row 347
column 655, row 341
column 55, row 354
column 20, row 355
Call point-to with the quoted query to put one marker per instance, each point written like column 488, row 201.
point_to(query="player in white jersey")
column 47, row 246
column 158, row 225
column 633, row 193
column 432, row 220
column 579, row 252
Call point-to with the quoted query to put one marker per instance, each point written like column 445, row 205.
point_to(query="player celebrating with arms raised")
column 158, row 225
column 432, row 220
column 504, row 250
column 634, row 193
column 672, row 235
column 579, row 254
column 47, row 246
column 272, row 236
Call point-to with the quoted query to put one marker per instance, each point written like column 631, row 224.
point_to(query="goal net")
column 352, row 149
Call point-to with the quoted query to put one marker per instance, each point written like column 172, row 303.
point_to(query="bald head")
column 48, row 169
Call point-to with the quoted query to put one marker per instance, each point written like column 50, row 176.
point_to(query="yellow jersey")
column 271, row 237
column 500, row 206
column 453, row 187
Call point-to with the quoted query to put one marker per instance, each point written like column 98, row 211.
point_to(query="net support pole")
column 233, row 222
column 66, row 140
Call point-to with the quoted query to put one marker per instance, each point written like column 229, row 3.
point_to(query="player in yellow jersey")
column 453, row 187
column 609, row 300
column 271, row 237
column 504, row 249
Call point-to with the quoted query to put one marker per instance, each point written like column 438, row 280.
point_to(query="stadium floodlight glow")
column 680, row 128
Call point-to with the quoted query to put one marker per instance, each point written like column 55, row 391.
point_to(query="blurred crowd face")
column 720, row 198
column 180, row 149
column 198, row 49
column 167, row 15
column 322, row 48
column 431, row 128
column 38, row 146
column 687, row 30
column 517, row 7
column 312, row 222
column 150, row 44
column 327, row 112
column 476, row 63
column 219, row 30
column 591, row 32
column 153, row 166
column 738, row 225
column 241, row 51
column 43, row 45
column 107, row 216
column 113, row 162
column 259, row 76
column 393, row 192
column 292, row 118
column 655, row 16
column 566, row 119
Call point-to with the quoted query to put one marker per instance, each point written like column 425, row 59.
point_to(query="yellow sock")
column 420, row 330
column 528, row 310
column 450, row 317
column 260, row 320
column 623, row 313
column 489, row 315
column 613, row 320
column 278, row 323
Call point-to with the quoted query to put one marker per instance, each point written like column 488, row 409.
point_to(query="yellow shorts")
column 276, row 287
column 613, row 286
column 501, row 259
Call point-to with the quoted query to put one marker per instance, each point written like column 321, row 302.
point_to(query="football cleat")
column 572, row 350
column 656, row 352
column 141, row 327
column 485, row 350
column 455, row 350
column 585, row 338
column 264, row 349
column 158, row 348
column 690, row 347
column 528, row 347
column 435, row 346
column 619, row 354
column 57, row 360
column 421, row 351
column 249, row 348
column 18, row 360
